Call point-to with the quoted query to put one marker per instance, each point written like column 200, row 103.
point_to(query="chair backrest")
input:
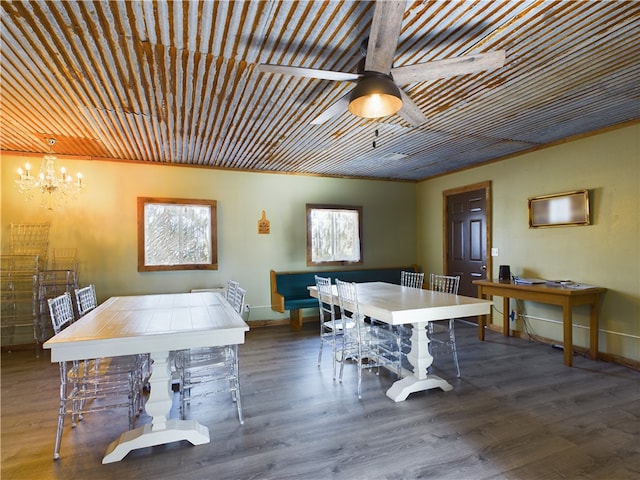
column 348, row 299
column 61, row 310
column 325, row 299
column 65, row 259
column 232, row 286
column 238, row 300
column 86, row 299
column 444, row 283
column 412, row 279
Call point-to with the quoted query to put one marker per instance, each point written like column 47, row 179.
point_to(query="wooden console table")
column 566, row 297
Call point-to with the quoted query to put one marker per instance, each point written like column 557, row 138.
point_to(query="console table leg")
column 505, row 316
column 482, row 319
column 593, row 328
column 567, row 333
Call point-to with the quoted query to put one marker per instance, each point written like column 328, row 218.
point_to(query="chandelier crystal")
column 55, row 186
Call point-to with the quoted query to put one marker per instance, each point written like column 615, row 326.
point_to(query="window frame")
column 314, row 206
column 212, row 204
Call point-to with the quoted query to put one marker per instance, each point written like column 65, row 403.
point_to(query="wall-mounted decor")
column 177, row 234
column 264, row 225
column 560, row 209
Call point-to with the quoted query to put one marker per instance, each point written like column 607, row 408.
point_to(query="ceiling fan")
column 376, row 93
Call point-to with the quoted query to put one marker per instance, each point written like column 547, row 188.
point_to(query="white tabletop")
column 150, row 323
column 398, row 305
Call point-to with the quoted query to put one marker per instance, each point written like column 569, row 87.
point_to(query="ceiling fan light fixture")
column 375, row 96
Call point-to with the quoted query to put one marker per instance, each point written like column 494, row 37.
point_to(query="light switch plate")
column 494, row 251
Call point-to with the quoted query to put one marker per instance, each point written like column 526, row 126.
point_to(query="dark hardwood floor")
column 516, row 413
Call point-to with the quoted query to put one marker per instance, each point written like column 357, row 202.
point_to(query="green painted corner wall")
column 102, row 224
column 605, row 253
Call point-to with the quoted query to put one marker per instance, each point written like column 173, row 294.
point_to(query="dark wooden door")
column 466, row 236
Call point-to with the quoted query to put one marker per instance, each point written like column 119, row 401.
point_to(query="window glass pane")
column 334, row 234
column 322, row 237
column 177, row 234
column 346, row 235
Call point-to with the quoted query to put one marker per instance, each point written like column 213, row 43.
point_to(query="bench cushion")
column 294, row 285
column 293, row 303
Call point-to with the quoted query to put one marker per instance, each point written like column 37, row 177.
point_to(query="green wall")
column 605, row 253
column 102, row 224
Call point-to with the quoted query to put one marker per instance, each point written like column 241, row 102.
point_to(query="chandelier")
column 56, row 189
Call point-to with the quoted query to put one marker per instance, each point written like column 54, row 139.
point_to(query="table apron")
column 549, row 298
column 79, row 350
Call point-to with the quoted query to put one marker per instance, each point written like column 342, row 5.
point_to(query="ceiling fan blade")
column 383, row 38
column 339, row 106
column 410, row 111
column 308, row 72
column 450, row 67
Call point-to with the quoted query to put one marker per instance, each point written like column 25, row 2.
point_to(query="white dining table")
column 398, row 305
column 158, row 325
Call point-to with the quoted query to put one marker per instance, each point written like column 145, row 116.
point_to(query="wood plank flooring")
column 516, row 413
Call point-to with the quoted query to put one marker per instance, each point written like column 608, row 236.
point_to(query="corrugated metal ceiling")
column 177, row 82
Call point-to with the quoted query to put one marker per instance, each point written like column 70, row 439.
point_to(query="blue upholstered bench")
column 289, row 289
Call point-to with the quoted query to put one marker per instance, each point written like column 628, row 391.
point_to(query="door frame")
column 486, row 186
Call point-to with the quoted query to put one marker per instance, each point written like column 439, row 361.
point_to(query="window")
column 177, row 234
column 333, row 234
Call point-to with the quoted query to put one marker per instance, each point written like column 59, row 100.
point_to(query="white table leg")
column 421, row 359
column 161, row 430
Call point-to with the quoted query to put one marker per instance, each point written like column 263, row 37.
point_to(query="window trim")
column 321, row 206
column 212, row 204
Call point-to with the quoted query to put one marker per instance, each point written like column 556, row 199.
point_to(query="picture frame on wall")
column 560, row 209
